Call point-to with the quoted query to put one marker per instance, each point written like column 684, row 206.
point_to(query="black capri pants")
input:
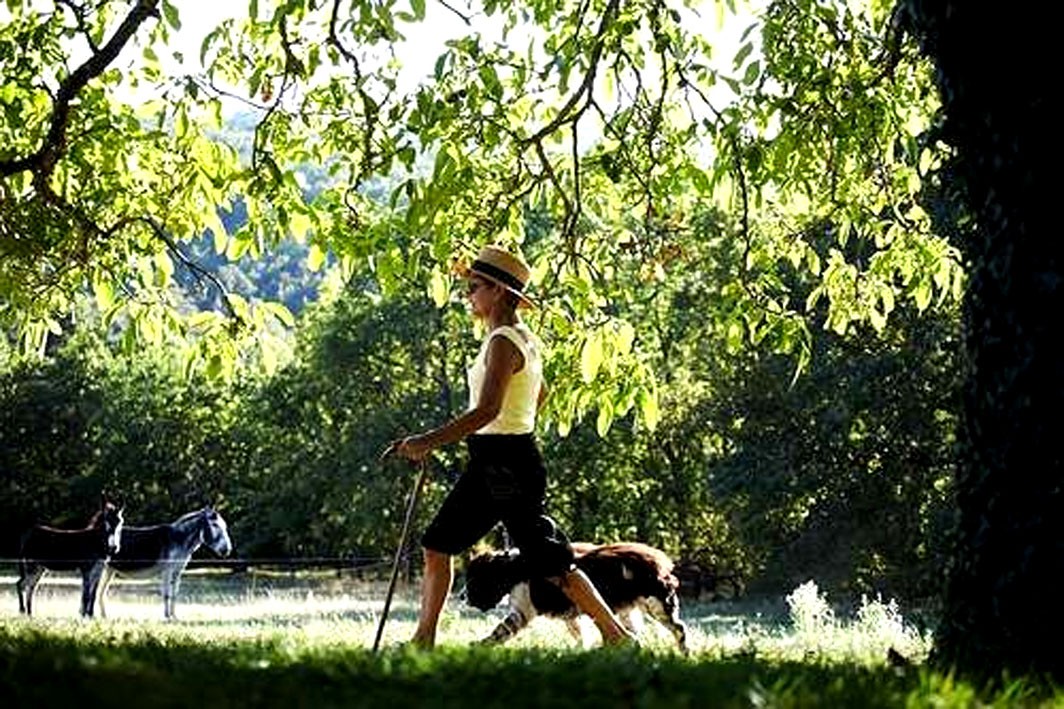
column 504, row 481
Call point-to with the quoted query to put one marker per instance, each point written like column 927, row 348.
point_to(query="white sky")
column 425, row 40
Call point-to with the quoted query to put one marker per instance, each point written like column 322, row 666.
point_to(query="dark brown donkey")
column 86, row 550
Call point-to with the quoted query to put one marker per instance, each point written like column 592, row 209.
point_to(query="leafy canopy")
column 590, row 135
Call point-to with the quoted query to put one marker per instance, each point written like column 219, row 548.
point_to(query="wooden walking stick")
column 410, row 507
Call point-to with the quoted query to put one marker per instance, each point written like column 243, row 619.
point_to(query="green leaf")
column 753, row 71
column 315, row 258
column 922, row 295
column 104, row 291
column 564, row 425
column 268, row 355
column 491, row 80
column 734, row 338
column 221, row 238
column 878, row 320
column 171, row 15
column 648, row 405
column 237, row 247
column 181, row 123
column 605, row 418
column 591, row 356
column 439, row 288
column 280, row 312
column 239, row 305
column 625, row 339
column 164, row 269
column 742, row 54
column 214, row 366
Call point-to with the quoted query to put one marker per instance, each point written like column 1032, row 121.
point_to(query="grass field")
column 286, row 640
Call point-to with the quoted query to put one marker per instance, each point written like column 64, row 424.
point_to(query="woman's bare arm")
column 503, row 359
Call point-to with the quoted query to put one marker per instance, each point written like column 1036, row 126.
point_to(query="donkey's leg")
column 90, row 582
column 171, row 584
column 35, row 575
column 178, row 571
column 101, row 593
column 166, row 589
column 30, row 575
column 19, row 584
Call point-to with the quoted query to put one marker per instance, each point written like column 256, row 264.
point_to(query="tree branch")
column 197, row 270
column 465, row 18
column 585, row 86
column 79, row 16
column 43, row 161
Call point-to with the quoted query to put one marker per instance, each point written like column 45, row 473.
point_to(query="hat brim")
column 523, row 299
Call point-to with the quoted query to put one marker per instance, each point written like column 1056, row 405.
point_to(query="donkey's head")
column 216, row 532
column 110, row 520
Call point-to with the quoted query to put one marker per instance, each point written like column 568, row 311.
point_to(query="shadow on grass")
column 39, row 668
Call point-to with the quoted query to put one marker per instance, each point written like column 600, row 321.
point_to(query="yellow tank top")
column 518, row 412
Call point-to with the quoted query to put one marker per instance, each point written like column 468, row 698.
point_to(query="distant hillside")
column 281, row 274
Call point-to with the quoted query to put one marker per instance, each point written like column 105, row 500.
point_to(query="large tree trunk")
column 1003, row 608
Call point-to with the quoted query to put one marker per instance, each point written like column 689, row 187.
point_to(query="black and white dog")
column 629, row 576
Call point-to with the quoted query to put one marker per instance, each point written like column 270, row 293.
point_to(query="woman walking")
column 505, row 479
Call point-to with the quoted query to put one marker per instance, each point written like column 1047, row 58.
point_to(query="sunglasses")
column 474, row 286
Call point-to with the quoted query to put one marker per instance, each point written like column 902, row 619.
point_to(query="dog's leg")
column 668, row 613
column 521, row 614
column 632, row 617
column 509, row 627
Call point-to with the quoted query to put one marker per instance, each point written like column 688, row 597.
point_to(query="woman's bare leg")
column 578, row 587
column 436, row 584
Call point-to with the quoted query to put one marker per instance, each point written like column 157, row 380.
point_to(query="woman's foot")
column 624, row 638
column 578, row 587
column 421, row 643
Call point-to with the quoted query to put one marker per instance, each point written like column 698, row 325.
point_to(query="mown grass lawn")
column 284, row 641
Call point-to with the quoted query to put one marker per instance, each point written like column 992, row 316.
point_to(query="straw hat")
column 500, row 266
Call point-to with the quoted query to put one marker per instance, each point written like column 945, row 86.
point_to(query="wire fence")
column 358, row 565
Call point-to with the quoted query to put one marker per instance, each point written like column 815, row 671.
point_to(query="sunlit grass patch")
column 875, row 628
column 287, row 640
column 339, row 611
